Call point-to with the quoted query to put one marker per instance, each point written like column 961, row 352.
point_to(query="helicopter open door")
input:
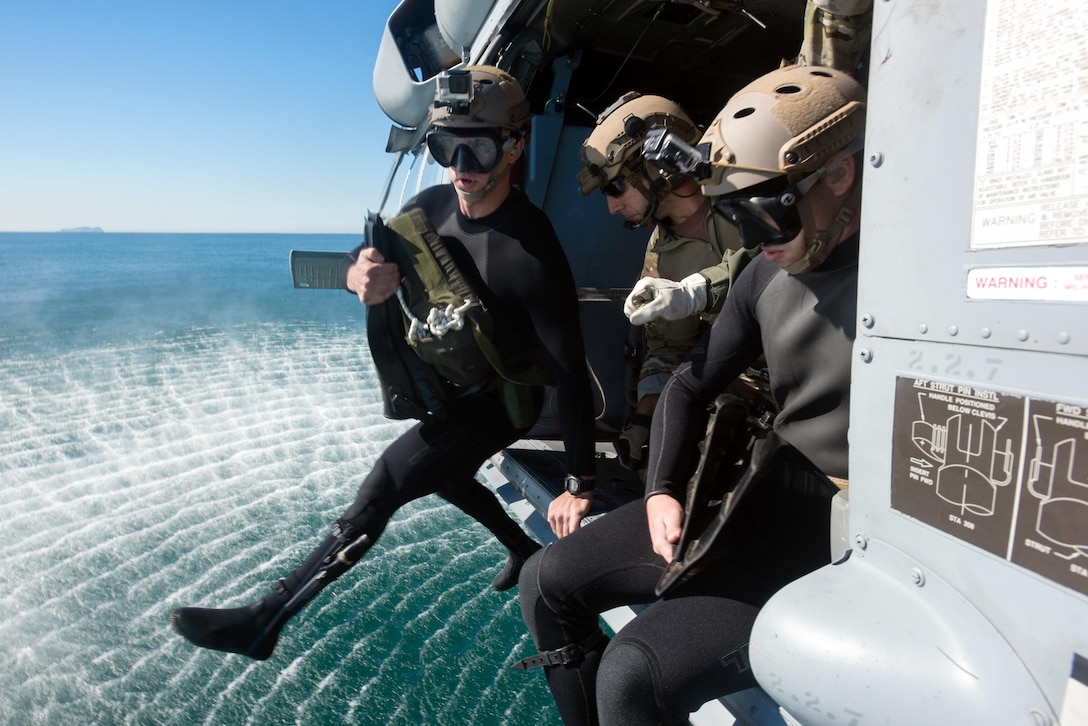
column 964, row 597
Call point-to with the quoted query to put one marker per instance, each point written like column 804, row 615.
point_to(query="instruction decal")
column 1005, row 472
column 1031, row 162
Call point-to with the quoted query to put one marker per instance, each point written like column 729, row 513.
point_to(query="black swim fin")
column 509, row 575
column 253, row 630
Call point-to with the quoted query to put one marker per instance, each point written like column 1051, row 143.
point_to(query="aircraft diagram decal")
column 1002, row 471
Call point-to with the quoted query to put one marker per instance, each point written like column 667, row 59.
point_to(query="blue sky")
column 190, row 116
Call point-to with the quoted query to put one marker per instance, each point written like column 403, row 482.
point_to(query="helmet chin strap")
column 649, row 218
column 818, row 242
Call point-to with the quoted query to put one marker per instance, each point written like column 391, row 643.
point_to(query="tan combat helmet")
column 478, row 116
column 480, row 97
column 788, row 123
column 614, row 149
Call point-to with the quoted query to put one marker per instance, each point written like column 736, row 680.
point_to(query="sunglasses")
column 470, row 151
column 614, row 188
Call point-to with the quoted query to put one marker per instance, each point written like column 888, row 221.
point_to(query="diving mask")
column 471, row 150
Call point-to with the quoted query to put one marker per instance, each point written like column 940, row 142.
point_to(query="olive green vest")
column 445, row 322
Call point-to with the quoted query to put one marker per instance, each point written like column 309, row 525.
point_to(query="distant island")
column 97, row 230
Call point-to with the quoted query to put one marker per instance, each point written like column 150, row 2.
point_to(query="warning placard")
column 1053, row 284
column 1002, row 471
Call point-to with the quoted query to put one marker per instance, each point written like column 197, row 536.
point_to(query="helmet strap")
column 818, row 243
column 649, row 218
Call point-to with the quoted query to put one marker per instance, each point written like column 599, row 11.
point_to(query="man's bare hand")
column 372, row 278
column 566, row 511
column 666, row 518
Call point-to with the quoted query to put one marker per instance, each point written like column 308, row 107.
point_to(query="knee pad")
column 627, row 688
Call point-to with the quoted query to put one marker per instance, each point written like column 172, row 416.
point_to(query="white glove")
column 656, row 297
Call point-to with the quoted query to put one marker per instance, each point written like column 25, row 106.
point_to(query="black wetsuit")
column 682, row 650
column 516, row 265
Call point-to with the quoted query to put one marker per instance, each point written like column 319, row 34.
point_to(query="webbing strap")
column 561, row 656
column 343, row 552
column 414, row 223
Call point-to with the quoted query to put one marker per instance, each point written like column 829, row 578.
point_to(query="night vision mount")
column 672, row 154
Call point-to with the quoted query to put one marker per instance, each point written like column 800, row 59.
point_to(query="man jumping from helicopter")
column 476, row 389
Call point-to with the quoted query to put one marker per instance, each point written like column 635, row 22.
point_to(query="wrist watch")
column 575, row 485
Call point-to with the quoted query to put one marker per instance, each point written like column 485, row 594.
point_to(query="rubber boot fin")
column 253, row 630
column 250, row 630
column 509, row 575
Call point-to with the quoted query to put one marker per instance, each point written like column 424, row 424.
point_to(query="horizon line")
column 91, row 231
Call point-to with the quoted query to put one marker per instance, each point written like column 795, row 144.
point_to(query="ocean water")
column 180, row 427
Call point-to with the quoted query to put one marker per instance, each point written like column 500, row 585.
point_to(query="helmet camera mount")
column 455, row 91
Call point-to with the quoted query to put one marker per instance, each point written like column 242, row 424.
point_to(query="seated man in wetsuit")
column 507, row 252
column 783, row 167
column 686, row 239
